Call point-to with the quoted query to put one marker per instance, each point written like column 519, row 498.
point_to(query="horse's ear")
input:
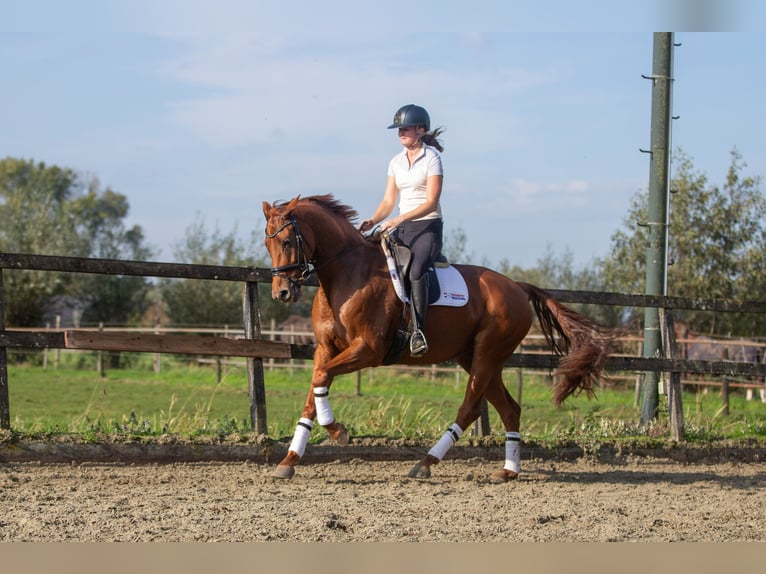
column 293, row 202
column 266, row 210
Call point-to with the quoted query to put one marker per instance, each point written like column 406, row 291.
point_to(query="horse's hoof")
column 341, row 438
column 420, row 471
column 504, row 475
column 284, row 471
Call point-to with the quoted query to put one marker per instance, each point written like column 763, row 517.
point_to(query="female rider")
column 415, row 178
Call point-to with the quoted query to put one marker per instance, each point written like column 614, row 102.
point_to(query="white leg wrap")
column 450, row 437
column 301, row 436
column 322, row 402
column 512, row 452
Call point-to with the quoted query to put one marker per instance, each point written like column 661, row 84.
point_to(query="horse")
column 357, row 316
column 694, row 346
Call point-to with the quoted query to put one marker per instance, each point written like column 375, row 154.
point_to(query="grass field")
column 185, row 400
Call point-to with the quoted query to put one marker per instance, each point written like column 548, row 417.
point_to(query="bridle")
column 304, row 265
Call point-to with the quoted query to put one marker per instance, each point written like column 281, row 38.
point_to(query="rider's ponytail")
column 430, row 139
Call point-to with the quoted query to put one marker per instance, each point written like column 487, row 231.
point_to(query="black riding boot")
column 419, row 305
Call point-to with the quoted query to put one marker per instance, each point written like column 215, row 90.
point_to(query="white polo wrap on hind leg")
column 513, row 452
column 450, row 437
column 322, row 403
column 301, row 436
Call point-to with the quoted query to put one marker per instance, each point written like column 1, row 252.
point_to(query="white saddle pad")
column 453, row 291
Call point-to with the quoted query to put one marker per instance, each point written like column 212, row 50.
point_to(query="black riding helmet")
column 411, row 115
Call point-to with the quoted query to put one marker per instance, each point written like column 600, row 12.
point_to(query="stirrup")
column 418, row 345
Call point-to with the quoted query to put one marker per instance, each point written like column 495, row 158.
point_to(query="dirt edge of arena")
column 264, row 450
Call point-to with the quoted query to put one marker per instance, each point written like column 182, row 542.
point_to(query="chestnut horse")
column 356, row 315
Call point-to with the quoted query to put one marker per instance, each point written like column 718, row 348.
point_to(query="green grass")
column 184, row 400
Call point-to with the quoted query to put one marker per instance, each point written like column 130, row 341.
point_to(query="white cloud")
column 550, row 195
column 253, row 95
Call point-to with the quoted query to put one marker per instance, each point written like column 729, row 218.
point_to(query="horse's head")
column 293, row 233
column 291, row 258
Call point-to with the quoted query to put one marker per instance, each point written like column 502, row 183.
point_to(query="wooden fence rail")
column 254, row 348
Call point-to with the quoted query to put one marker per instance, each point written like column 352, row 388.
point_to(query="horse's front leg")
column 338, row 432
column 320, row 388
column 318, row 404
column 286, row 468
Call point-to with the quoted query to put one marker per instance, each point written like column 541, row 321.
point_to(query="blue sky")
column 202, row 110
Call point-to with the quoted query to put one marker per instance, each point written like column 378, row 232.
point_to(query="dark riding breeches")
column 424, row 238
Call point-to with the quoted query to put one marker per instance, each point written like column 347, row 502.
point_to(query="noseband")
column 305, row 265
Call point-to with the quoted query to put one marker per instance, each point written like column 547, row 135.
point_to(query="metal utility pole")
column 657, row 223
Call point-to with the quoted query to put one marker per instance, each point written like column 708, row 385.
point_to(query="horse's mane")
column 329, row 203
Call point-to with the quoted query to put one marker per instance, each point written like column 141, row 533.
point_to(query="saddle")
column 399, row 258
column 445, row 287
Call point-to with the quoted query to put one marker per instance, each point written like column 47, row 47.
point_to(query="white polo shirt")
column 411, row 180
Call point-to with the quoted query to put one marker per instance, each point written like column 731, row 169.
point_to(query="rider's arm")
column 385, row 207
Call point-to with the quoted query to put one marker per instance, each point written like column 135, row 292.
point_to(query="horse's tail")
column 582, row 343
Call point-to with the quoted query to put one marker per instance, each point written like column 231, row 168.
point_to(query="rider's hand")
column 391, row 224
column 366, row 225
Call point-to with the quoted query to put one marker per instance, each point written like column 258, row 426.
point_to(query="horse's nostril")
column 284, row 295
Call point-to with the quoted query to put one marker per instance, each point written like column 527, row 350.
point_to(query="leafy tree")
column 111, row 299
column 558, row 271
column 32, row 200
column 199, row 302
column 35, row 220
column 454, row 245
column 552, row 271
column 716, row 243
column 49, row 210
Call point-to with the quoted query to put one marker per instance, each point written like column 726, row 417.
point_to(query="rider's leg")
column 419, row 296
column 424, row 240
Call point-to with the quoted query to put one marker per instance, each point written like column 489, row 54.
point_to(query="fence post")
column 5, row 405
column 157, row 326
column 292, row 342
column 675, row 404
column 481, row 425
column 273, row 337
column 256, row 388
column 45, row 350
column 57, row 353
column 100, row 357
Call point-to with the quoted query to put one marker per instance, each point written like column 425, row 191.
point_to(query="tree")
column 198, row 302
column 716, row 242
column 35, row 220
column 454, row 245
column 558, row 271
column 49, row 210
column 110, row 299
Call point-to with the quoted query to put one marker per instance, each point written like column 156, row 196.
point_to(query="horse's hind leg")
column 510, row 413
column 468, row 412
